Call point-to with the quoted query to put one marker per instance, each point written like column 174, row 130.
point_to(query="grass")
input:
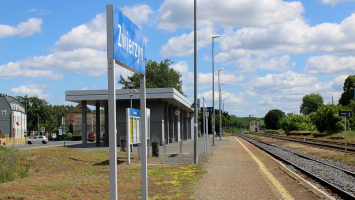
column 64, row 173
column 12, row 167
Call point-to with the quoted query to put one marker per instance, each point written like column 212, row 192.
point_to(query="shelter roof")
column 170, row 95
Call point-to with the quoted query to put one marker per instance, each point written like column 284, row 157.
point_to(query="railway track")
column 336, row 176
column 335, row 146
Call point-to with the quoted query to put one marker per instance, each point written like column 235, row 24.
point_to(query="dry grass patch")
column 64, row 173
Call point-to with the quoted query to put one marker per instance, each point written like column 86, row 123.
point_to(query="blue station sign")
column 207, row 109
column 345, row 113
column 128, row 43
column 134, row 112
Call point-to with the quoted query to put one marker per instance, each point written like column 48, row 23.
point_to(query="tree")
column 158, row 75
column 326, row 119
column 272, row 117
column 311, row 103
column 297, row 123
column 348, row 94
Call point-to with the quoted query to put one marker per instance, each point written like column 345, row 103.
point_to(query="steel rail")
column 345, row 193
column 316, row 144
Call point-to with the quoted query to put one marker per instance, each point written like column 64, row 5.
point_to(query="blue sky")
column 273, row 52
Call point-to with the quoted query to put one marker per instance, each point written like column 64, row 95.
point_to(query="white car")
column 37, row 140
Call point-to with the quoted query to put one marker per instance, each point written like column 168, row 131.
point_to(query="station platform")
column 239, row 170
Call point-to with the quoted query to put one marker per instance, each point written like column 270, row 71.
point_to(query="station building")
column 254, row 126
column 13, row 117
column 171, row 113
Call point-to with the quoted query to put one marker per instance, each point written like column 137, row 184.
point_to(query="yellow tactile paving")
column 272, row 179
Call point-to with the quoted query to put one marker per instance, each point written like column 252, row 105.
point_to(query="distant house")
column 12, row 117
column 254, row 125
column 77, row 110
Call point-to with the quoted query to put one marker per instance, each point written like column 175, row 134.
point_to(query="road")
column 25, row 147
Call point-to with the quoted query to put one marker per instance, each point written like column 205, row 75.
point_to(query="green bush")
column 297, row 123
column 327, row 119
column 69, row 136
column 77, row 137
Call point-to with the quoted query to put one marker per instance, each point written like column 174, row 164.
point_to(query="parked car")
column 37, row 140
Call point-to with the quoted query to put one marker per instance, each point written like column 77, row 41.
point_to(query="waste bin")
column 123, row 143
column 155, row 147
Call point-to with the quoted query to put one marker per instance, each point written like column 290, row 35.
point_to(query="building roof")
column 170, row 95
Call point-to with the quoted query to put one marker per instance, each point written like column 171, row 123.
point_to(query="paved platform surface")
column 239, row 170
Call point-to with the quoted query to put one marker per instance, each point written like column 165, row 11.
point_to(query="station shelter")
column 166, row 124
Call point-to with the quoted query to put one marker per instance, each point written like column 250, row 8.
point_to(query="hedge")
column 77, row 137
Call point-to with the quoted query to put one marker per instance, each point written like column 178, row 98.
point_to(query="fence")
column 10, row 141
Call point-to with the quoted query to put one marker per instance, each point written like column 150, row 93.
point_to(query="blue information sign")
column 134, row 112
column 128, row 43
column 208, row 109
column 345, row 113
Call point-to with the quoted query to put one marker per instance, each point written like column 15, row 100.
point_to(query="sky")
column 273, row 52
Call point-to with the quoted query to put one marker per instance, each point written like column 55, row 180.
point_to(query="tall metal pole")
column 345, row 133
column 213, row 117
column 143, row 110
column 111, row 104
column 204, row 127
column 220, row 117
column 195, row 89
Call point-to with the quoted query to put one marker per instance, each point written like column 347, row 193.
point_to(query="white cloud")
column 184, row 44
column 285, row 91
column 179, row 14
column 293, row 37
column 90, row 35
column 138, row 14
column 23, row 29
column 331, row 65
column 93, row 34
column 204, row 80
column 229, row 97
column 247, row 64
column 333, row 2
column 32, row 89
column 15, row 69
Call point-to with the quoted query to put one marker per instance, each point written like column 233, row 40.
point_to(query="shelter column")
column 106, row 128
column 166, row 122
column 171, row 123
column 84, row 128
column 98, row 125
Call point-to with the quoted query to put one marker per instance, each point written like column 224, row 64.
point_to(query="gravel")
column 314, row 165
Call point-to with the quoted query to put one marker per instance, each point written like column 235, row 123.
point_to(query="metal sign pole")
column 195, row 90
column 143, row 128
column 345, row 133
column 204, row 127
column 207, row 114
column 111, row 104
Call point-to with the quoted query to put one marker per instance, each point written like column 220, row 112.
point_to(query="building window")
column 80, row 108
column 252, row 123
column 256, row 123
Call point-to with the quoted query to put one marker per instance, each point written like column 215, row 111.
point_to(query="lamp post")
column 332, row 98
column 219, row 102
column 213, row 117
column 220, row 115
